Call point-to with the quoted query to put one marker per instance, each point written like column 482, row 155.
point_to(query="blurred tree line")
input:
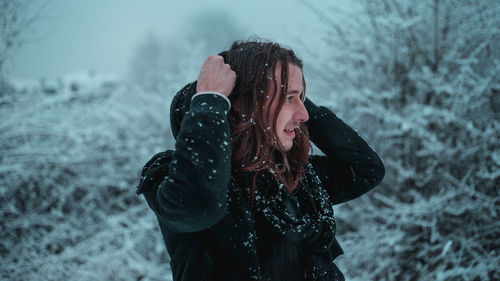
column 159, row 64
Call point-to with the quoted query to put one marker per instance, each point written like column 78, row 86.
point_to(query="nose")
column 301, row 114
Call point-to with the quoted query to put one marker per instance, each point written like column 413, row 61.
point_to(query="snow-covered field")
column 72, row 150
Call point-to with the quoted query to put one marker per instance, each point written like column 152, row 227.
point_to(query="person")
column 240, row 197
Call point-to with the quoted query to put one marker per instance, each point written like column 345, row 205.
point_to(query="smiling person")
column 240, row 197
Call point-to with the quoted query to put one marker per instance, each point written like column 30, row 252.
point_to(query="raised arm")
column 350, row 167
column 187, row 188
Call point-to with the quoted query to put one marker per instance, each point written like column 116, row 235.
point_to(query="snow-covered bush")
column 70, row 158
column 420, row 80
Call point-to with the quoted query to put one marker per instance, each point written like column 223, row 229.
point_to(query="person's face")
column 293, row 111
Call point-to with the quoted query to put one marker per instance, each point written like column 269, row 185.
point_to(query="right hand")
column 216, row 76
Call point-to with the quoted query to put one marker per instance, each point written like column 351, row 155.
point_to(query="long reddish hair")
column 254, row 144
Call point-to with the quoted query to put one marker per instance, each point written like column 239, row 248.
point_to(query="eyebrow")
column 293, row 92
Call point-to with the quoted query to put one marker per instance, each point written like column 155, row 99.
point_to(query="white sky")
column 102, row 35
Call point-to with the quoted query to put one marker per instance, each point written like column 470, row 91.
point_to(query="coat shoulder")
column 154, row 170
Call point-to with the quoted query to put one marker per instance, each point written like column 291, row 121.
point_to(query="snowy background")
column 85, row 91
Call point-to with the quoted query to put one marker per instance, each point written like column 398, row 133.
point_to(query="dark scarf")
column 313, row 228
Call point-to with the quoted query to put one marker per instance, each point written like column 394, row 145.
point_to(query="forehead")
column 294, row 77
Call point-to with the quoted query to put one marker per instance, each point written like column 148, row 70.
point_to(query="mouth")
column 290, row 132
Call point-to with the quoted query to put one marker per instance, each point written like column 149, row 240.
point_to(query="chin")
column 288, row 146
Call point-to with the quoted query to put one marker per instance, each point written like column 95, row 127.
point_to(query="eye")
column 288, row 99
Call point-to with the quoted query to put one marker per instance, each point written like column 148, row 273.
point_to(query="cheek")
column 268, row 111
column 281, row 121
column 285, row 116
column 280, row 130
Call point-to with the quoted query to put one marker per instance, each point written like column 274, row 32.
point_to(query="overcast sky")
column 102, row 35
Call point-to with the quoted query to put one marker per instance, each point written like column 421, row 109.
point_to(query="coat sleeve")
column 350, row 167
column 187, row 188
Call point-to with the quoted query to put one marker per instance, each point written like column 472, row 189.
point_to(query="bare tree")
column 16, row 18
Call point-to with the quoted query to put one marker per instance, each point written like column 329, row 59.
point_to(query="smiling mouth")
column 290, row 132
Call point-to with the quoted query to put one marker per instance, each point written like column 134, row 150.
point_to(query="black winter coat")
column 206, row 222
